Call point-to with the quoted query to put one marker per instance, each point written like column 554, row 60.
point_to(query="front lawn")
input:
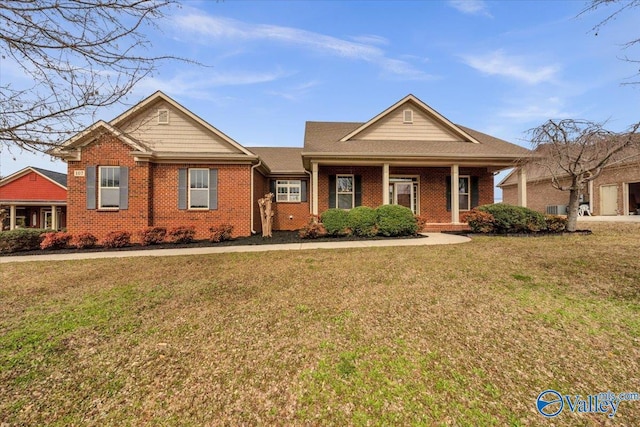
column 453, row 335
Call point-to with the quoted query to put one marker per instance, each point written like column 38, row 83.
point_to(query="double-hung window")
column 464, row 185
column 109, row 195
column 198, row 188
column 288, row 190
column 345, row 194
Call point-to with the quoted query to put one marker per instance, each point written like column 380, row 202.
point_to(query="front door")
column 403, row 194
column 609, row 200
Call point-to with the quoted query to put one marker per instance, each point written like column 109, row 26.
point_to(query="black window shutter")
column 90, row 178
column 182, row 189
column 448, row 195
column 213, row 189
column 272, row 189
column 475, row 192
column 124, row 187
column 303, row 191
column 332, row 191
column 358, row 188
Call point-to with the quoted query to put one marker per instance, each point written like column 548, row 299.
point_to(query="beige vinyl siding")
column 393, row 127
column 181, row 134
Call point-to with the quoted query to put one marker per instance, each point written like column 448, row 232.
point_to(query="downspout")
column 253, row 168
column 310, row 194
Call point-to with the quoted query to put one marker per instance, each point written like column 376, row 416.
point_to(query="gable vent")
column 163, row 117
column 407, row 116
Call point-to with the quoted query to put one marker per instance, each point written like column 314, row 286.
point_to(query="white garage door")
column 609, row 200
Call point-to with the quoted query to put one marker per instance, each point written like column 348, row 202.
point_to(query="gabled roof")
column 57, row 178
column 159, row 95
column 421, row 105
column 281, row 160
column 87, row 136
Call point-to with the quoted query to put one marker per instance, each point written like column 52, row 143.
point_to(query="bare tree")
column 574, row 152
column 620, row 7
column 77, row 56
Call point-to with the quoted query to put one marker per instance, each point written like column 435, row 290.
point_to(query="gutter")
column 253, row 168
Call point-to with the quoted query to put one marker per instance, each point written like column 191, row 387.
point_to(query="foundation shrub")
column 182, row 234
column 555, row 224
column 152, row 235
column 84, row 241
column 479, row 221
column 117, row 239
column 20, row 239
column 220, row 233
column 421, row 221
column 55, row 240
column 362, row 221
column 312, row 229
column 396, row 220
column 514, row 219
column 336, row 222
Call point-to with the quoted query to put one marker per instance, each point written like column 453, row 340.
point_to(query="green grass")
column 445, row 335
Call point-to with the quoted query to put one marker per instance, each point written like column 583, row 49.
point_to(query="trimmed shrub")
column 117, row 239
column 421, row 221
column 220, row 233
column 55, row 240
column 336, row 222
column 152, row 235
column 182, row 234
column 362, row 221
column 312, row 229
column 396, row 220
column 556, row 224
column 20, row 239
column 479, row 221
column 84, row 241
column 514, row 219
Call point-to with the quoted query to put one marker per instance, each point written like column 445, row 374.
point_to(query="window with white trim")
column 163, row 117
column 464, row 193
column 407, row 116
column 288, row 190
column 109, row 191
column 198, row 188
column 345, row 193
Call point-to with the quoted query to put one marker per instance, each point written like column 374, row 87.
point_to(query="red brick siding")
column 32, row 186
column 620, row 176
column 371, row 184
column 283, row 211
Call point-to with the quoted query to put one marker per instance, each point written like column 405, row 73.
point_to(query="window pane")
column 109, row 177
column 198, row 178
column 463, row 185
column 199, row 198
column 345, row 184
column 464, row 201
column 345, row 201
column 109, row 198
column 282, row 198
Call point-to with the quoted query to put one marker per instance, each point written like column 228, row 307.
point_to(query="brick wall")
column 619, row 176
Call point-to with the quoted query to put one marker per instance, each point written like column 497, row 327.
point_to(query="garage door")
column 609, row 200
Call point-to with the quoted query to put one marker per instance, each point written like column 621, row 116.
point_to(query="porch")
column 34, row 215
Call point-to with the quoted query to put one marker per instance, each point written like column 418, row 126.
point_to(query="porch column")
column 12, row 217
column 385, row 184
column 54, row 218
column 590, row 197
column 314, row 187
column 455, row 194
column 522, row 188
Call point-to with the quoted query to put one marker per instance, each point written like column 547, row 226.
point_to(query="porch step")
column 438, row 227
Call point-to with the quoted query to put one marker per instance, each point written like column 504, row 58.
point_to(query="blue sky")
column 499, row 67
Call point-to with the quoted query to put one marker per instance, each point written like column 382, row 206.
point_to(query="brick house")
column 160, row 164
column 34, row 198
column 616, row 191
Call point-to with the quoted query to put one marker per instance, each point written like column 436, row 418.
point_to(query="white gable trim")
column 159, row 95
column 23, row 172
column 430, row 111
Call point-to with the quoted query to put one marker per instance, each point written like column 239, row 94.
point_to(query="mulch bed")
column 279, row 237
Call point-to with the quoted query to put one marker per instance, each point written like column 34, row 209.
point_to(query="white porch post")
column 455, row 194
column 314, row 187
column 54, row 218
column 385, row 184
column 590, row 197
column 522, row 188
column 12, row 217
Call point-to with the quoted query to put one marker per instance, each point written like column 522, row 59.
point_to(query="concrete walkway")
column 613, row 218
column 431, row 239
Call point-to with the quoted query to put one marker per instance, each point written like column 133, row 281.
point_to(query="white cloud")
column 514, row 67
column 363, row 48
column 471, row 7
column 296, row 92
column 537, row 110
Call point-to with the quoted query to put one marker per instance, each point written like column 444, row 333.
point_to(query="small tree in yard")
column 574, row 152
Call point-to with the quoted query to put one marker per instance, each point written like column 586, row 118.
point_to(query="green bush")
column 396, row 220
column 20, row 239
column 336, row 222
column 556, row 224
column 480, row 221
column 514, row 219
column 362, row 221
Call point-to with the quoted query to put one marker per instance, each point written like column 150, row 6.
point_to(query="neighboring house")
column 160, row 164
column 34, row 198
column 616, row 191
